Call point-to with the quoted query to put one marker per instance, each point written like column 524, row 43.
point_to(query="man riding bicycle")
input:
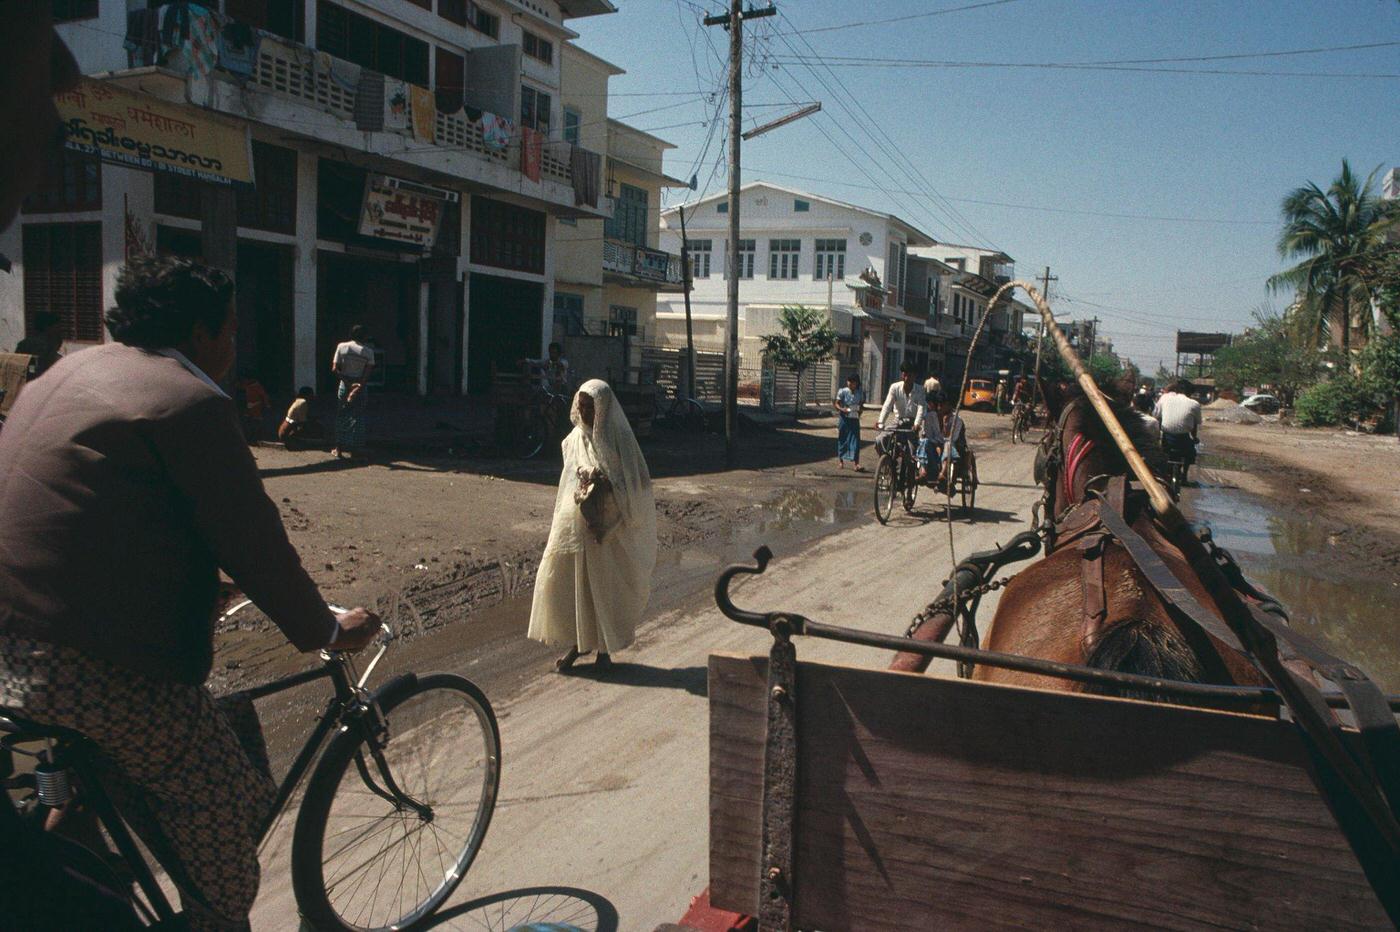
column 905, row 402
column 1180, row 417
column 125, row 487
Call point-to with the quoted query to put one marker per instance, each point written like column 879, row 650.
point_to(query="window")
column 467, row 13
column 629, row 220
column 568, row 315
column 722, row 207
column 63, row 274
column 801, row 207
column 622, row 321
column 746, row 254
column 534, row 108
column 451, row 77
column 287, row 20
column 700, row 252
column 369, row 44
column 72, row 182
column 507, row 236
column 831, row 260
column 65, row 11
column 272, row 203
column 892, row 272
column 782, row 258
column 536, row 47
column 572, row 122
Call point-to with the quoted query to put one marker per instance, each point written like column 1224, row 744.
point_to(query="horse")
column 1087, row 601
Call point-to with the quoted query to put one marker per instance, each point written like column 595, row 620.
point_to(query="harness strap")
column 1346, row 775
column 1091, row 550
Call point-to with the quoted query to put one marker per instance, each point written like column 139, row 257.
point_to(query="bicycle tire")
column 530, row 437
column 911, row 486
column 692, row 416
column 342, row 760
column 885, row 480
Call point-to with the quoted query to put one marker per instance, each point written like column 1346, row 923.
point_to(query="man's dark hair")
column 1180, row 386
column 306, row 391
column 558, row 346
column 44, row 320
column 161, row 300
column 853, row 377
column 906, row 367
column 357, row 333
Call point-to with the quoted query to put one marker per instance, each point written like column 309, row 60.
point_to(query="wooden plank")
column 936, row 803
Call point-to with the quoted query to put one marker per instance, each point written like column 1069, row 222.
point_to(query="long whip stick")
column 1162, row 503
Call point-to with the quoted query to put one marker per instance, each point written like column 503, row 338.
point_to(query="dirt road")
column 604, row 783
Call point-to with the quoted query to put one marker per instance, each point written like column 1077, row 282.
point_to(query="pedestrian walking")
column 848, row 404
column 595, row 577
column 352, row 364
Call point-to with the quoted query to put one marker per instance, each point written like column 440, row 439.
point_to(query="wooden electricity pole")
column 1047, row 278
column 734, row 22
column 689, row 331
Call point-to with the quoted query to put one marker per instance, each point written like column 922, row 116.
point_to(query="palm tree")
column 1337, row 233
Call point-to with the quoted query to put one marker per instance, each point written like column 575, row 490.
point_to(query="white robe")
column 588, row 593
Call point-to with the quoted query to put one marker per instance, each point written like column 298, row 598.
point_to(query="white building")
column 324, row 138
column 796, row 248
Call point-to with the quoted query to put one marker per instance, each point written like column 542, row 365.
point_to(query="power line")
column 900, row 19
column 861, row 62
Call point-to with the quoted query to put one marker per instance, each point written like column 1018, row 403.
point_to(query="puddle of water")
column 1217, row 461
column 791, row 508
column 1295, row 561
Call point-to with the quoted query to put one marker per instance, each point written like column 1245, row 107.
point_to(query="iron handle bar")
column 799, row 624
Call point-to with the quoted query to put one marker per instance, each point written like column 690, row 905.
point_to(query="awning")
column 143, row 132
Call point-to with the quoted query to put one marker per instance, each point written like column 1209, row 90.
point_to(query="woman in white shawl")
column 595, row 578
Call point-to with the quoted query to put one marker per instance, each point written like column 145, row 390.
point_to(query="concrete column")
column 551, row 228
column 465, row 278
column 304, row 269
column 424, row 308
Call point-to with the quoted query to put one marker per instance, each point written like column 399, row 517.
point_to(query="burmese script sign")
column 139, row 131
column 402, row 211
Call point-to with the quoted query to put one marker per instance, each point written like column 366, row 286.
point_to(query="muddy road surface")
column 604, row 777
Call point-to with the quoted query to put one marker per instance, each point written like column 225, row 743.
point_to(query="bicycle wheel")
column 911, row 486
column 690, row 415
column 530, row 435
column 363, row 860
column 885, row 490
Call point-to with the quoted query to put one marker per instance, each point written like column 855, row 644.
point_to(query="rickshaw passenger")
column 942, row 436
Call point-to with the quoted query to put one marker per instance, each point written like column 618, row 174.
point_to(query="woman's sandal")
column 565, row 662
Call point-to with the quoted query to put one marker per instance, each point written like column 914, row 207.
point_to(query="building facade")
column 797, row 248
column 352, row 110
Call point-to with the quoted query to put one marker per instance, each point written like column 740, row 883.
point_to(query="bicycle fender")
column 399, row 685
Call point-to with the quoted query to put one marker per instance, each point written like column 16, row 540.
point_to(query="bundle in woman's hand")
column 597, row 502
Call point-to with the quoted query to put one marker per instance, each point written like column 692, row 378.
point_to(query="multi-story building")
column 797, row 248
column 608, row 273
column 411, row 161
column 971, row 277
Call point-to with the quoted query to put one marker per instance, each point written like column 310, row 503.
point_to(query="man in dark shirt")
column 125, row 486
column 45, row 344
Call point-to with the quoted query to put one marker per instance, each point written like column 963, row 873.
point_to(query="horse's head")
column 1080, row 454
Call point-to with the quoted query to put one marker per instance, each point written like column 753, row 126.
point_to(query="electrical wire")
column 901, row 19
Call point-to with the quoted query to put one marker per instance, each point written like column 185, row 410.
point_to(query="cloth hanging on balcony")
column 343, row 74
column 369, row 102
column 238, row 48
column 496, row 131
column 424, row 107
column 395, row 105
column 586, row 168
column 531, row 152
column 189, row 38
column 142, row 41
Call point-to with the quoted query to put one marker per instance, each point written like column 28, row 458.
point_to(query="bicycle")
column 541, row 421
column 372, row 800
column 1020, row 421
column 686, row 413
column 896, row 476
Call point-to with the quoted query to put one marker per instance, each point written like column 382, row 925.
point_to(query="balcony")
column 312, row 94
column 629, row 264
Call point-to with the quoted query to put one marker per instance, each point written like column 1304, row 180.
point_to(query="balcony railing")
column 319, row 80
column 640, row 262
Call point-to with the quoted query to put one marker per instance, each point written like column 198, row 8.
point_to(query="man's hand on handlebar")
column 355, row 629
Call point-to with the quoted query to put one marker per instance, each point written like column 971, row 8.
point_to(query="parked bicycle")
column 896, row 476
column 544, row 419
column 394, row 812
column 685, row 413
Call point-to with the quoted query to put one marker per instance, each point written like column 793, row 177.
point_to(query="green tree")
column 1380, row 373
column 1105, row 369
column 1163, row 376
column 807, row 339
column 1337, row 234
column 1268, row 354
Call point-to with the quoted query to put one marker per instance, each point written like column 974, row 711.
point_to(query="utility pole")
column 734, row 22
column 689, row 332
column 1046, row 279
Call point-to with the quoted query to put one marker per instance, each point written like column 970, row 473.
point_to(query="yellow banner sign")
column 144, row 132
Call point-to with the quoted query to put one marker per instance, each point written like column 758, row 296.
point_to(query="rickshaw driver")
column 905, row 400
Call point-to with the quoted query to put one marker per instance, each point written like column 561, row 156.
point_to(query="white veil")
column 611, row 445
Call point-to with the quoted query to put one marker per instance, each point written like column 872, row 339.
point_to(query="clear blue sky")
column 1204, row 147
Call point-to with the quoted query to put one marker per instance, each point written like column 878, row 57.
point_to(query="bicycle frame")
column 350, row 706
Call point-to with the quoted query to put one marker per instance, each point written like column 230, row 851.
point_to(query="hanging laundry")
column 424, row 108
column 587, row 169
column 531, row 152
column 369, row 102
column 189, row 38
column 473, row 114
column 142, row 41
column 395, row 105
column 448, row 100
column 496, row 131
column 238, row 48
column 344, row 74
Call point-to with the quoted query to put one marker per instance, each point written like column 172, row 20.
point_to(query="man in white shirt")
column 905, row 401
column 1180, row 417
column 352, row 364
column 552, row 371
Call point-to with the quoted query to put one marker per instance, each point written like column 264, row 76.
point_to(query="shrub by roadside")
column 1343, row 399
